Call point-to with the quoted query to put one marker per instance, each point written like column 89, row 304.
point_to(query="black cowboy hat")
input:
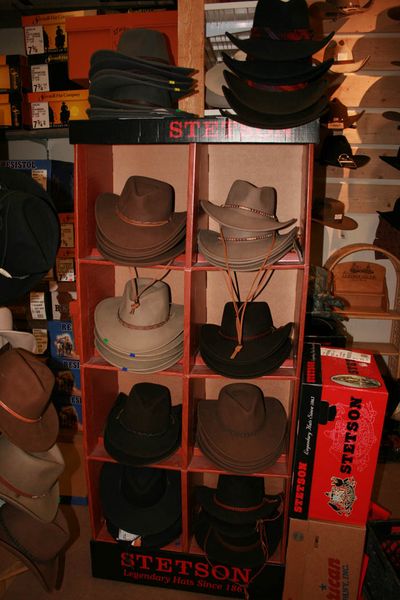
column 29, row 234
column 143, row 427
column 238, row 499
column 155, row 540
column 392, row 216
column 143, row 500
column 393, row 161
column 336, row 151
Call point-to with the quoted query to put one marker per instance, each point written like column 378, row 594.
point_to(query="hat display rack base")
column 203, row 169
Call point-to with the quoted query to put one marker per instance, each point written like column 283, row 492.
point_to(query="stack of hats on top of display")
column 242, row 431
column 250, row 234
column 139, row 227
column 31, row 525
column 142, row 330
column 141, row 505
column 30, row 234
column 138, row 80
column 238, row 524
column 277, row 86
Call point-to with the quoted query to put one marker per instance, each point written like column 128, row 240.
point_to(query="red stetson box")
column 341, row 413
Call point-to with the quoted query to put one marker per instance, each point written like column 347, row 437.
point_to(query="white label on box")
column 40, row 78
column 38, row 306
column 346, row 354
column 40, row 176
column 34, row 39
column 41, row 338
column 67, row 235
column 125, row 536
column 40, row 115
column 65, row 269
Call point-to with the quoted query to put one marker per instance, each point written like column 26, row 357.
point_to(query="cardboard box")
column 340, row 420
column 51, row 77
column 46, row 34
column 323, row 561
column 43, row 110
column 11, row 110
column 55, row 176
column 14, row 73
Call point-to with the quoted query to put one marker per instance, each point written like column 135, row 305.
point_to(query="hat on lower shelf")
column 330, row 212
column 336, row 151
column 393, row 161
column 16, row 339
column 242, row 431
column 144, row 427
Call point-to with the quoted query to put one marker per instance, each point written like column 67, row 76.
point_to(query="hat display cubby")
column 198, row 170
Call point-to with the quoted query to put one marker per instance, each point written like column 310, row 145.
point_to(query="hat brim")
column 165, row 82
column 155, row 540
column 138, row 446
column 252, row 118
column 274, row 72
column 261, row 445
column 127, row 67
column 134, row 237
column 129, row 108
column 31, row 437
column 359, row 160
column 159, row 259
column 20, row 339
column 139, row 367
column 275, row 102
column 148, row 66
column 345, row 224
column 105, row 85
column 12, row 290
column 43, row 508
column 163, row 352
column 393, row 161
column 348, row 67
column 143, row 520
column 135, row 340
column 237, row 218
column 279, row 50
column 206, row 496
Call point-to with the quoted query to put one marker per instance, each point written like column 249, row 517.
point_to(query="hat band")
column 256, row 211
column 140, row 327
column 5, row 273
column 126, row 219
column 239, row 508
column 248, row 338
column 232, row 548
column 144, row 433
column 18, row 491
column 345, row 160
column 254, row 238
column 17, row 415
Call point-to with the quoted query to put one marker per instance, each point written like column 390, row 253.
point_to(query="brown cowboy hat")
column 330, row 212
column 38, row 545
column 29, row 480
column 27, row 416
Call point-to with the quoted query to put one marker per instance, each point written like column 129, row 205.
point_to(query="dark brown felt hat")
column 142, row 216
column 38, row 545
column 27, row 416
column 330, row 212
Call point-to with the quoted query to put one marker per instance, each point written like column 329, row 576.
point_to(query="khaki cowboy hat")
column 38, row 545
column 27, row 416
column 142, row 319
column 142, row 216
column 343, row 58
column 247, row 207
column 30, row 480
column 242, row 422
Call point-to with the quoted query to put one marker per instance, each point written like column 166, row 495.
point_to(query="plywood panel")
column 382, row 50
column 374, row 19
column 373, row 128
column 191, row 49
column 369, row 91
column 374, row 169
column 364, row 198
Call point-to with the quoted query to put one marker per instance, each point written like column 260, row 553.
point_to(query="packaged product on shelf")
column 61, row 298
column 10, row 110
column 44, row 110
column 50, row 76
column 65, row 269
column 14, row 73
column 62, row 342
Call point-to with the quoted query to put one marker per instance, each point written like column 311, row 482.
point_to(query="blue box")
column 61, row 341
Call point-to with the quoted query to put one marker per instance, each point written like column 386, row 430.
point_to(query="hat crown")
column 147, row 200
column 241, row 409
column 6, row 319
column 257, row 320
column 148, row 409
column 238, row 491
column 141, row 307
column 282, row 16
column 25, row 383
column 328, row 209
column 33, row 473
column 146, row 44
column 258, row 201
column 142, row 95
column 143, row 486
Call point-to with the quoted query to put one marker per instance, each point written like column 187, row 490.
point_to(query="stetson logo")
column 342, row 495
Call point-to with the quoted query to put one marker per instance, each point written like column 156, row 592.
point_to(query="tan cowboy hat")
column 29, row 480
column 27, row 416
column 143, row 319
column 247, row 207
column 343, row 58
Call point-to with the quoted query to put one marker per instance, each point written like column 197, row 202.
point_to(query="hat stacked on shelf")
column 257, row 349
column 142, row 505
column 238, row 524
column 138, row 79
column 242, row 431
column 143, row 427
column 31, row 524
column 336, row 151
column 16, row 339
column 278, row 85
column 142, row 330
column 139, row 227
column 250, row 235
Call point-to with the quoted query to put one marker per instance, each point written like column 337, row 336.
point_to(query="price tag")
column 40, row 78
column 65, row 269
column 38, row 305
column 67, row 235
column 125, row 536
column 346, row 354
column 34, row 40
column 40, row 175
column 40, row 115
column 41, row 338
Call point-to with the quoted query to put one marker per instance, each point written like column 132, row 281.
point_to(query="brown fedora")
column 247, row 207
column 330, row 212
column 38, row 545
column 29, row 480
column 27, row 416
column 142, row 217
column 242, row 422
